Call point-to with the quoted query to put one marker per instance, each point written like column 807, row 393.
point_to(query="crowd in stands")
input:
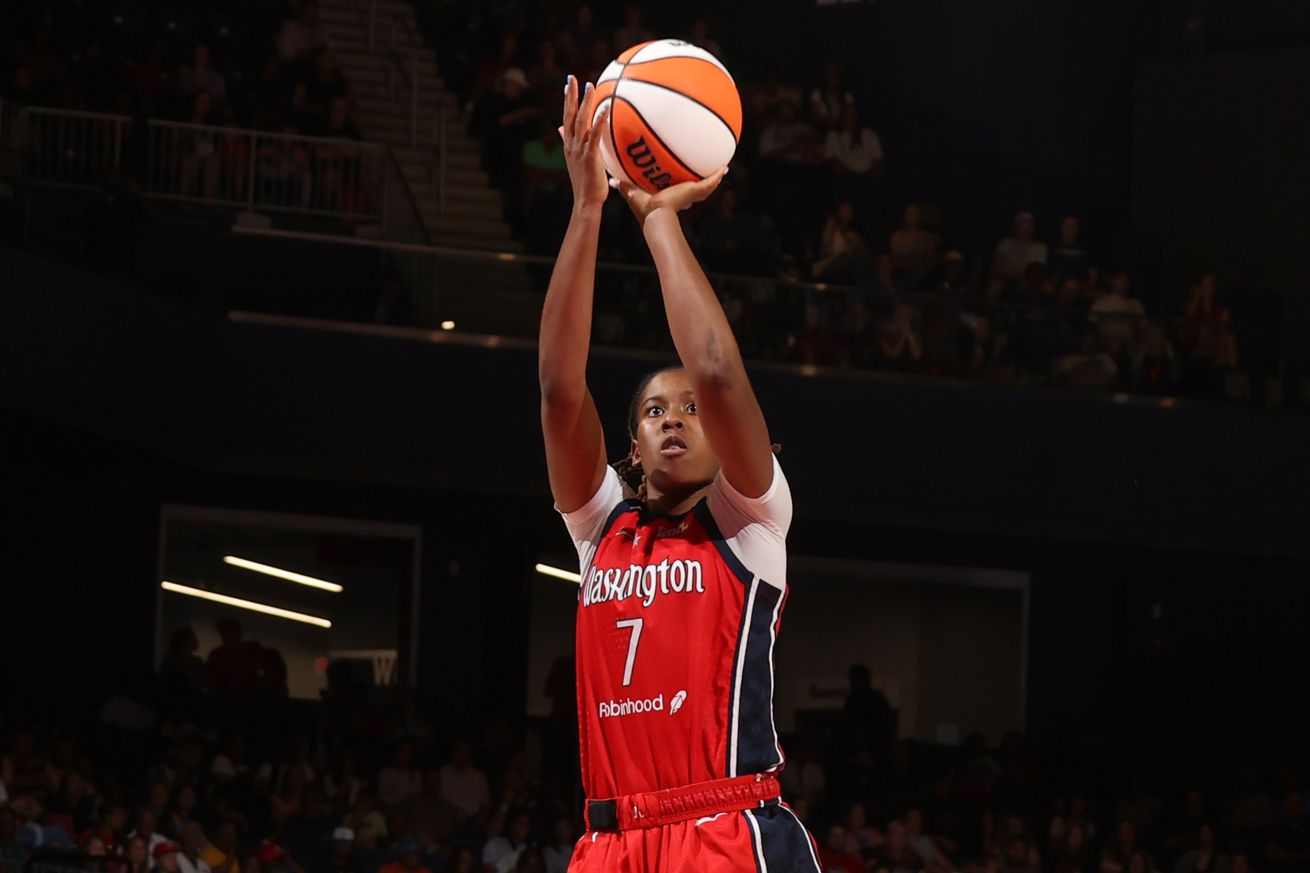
column 267, row 67
column 209, row 768
column 819, row 256
column 809, row 200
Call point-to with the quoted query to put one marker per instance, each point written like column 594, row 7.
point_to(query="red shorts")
column 769, row 839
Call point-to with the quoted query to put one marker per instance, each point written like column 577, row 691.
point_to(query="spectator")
column 1118, row 315
column 1019, row 856
column 861, row 837
column 787, row 138
column 344, row 782
column 510, row 118
column 1289, row 848
column 835, row 855
column 699, row 35
column 12, row 851
column 632, row 32
column 896, row 855
column 426, row 818
column 183, row 810
column 843, row 255
column 367, row 821
column 192, row 845
column 463, row 785
column 727, row 240
column 166, row 857
column 1117, row 857
column 558, row 854
column 221, row 854
column 299, row 38
column 915, row 249
column 491, row 73
column 1074, row 854
column 181, row 668
column 828, row 102
column 855, row 158
column 399, row 779
column 546, row 197
column 1155, row 367
column 137, row 855
column 1205, row 857
column 339, row 857
column 272, row 858
column 867, row 711
column 270, row 96
column 200, row 76
column 144, row 826
column 1014, row 254
column 1069, row 259
column 308, row 833
column 233, row 664
column 577, row 40
column 339, row 169
column 925, row 846
column 547, row 77
column 1089, row 367
column 466, row 861
column 407, row 860
column 901, row 342
column 285, row 166
column 501, row 853
column 1207, row 335
column 592, row 63
column 153, row 77
column 324, row 84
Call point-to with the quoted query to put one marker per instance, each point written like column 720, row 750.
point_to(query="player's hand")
column 674, row 198
column 582, row 146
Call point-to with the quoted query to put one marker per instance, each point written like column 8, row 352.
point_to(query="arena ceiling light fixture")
column 251, row 605
column 548, row 570
column 299, row 578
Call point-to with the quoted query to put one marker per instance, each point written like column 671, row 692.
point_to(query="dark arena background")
column 270, row 280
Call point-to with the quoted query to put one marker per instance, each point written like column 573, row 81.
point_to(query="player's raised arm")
column 725, row 401
column 575, row 443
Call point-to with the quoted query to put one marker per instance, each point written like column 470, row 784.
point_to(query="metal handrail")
column 80, row 150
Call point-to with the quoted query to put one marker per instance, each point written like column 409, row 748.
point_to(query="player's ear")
column 634, row 453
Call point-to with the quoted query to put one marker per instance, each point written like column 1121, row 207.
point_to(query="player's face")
column 670, row 445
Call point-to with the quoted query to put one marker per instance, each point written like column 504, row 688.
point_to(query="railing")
column 263, row 171
column 65, row 148
column 258, row 171
column 46, row 861
column 818, row 325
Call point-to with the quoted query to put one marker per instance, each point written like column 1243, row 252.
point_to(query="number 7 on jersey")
column 635, row 624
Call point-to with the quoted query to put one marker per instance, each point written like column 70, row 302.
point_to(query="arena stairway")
column 473, row 293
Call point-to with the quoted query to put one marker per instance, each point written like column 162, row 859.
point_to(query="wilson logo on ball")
column 674, row 114
column 643, row 160
column 676, row 703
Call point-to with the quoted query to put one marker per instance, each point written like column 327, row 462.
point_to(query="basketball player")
column 683, row 578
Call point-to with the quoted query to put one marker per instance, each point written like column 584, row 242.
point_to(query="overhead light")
column 244, row 604
column 448, row 325
column 299, row 578
column 548, row 570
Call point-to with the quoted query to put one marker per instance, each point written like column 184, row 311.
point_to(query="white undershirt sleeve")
column 755, row 528
column 586, row 523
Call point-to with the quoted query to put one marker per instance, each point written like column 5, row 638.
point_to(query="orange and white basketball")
column 676, row 117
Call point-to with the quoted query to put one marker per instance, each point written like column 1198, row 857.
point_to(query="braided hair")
column 630, row 472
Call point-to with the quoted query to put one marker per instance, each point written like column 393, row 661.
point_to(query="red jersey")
column 677, row 620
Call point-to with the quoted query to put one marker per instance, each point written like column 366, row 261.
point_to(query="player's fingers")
column 583, row 119
column 598, row 127
column 705, row 187
column 570, row 106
